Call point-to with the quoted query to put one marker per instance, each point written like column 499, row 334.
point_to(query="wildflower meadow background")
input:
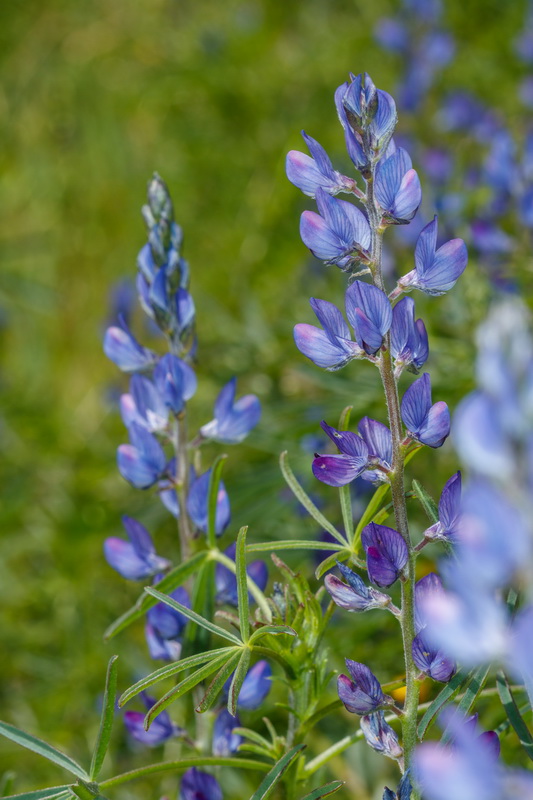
column 95, row 98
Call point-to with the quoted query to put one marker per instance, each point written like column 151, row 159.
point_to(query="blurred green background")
column 94, row 97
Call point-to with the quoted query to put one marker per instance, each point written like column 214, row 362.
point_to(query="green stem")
column 253, row 588
column 181, row 479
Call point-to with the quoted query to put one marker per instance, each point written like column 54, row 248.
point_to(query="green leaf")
column 445, row 696
column 203, row 603
column 473, row 690
column 242, row 585
column 238, row 678
column 253, row 736
column 330, row 561
column 324, row 791
column 106, row 719
column 184, row 763
column 427, row 502
column 169, row 670
column 513, row 714
column 171, row 581
column 300, row 494
column 345, row 496
column 183, row 687
column 253, row 588
column 273, row 777
column 289, row 544
column 370, row 512
column 214, row 483
column 217, row 684
column 192, row 615
column 265, row 630
column 40, row 794
column 42, row 748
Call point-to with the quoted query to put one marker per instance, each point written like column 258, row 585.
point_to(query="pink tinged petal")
column 436, row 428
column 316, row 345
column 129, row 413
column 121, row 347
column 319, row 238
column 348, row 443
column 416, row 403
column 338, row 470
column 122, row 557
column 134, row 469
column 345, row 596
column 381, row 737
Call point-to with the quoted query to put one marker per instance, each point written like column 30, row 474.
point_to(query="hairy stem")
column 182, row 483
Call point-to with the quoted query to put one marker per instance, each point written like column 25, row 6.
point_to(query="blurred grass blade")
column 427, row 502
column 192, row 615
column 289, row 544
column 300, row 494
column 473, row 690
column 170, row 669
column 272, row 778
column 214, row 483
column 513, row 714
column 41, row 794
column 106, row 719
column 238, row 678
column 42, row 748
column 271, row 629
column 369, row 513
column 444, row 697
column 242, row 585
column 217, row 684
column 182, row 688
column 324, row 791
column 171, row 581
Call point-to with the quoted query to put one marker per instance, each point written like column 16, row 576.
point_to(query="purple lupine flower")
column 143, row 461
column 331, row 348
column 197, row 785
column 398, row 189
column 404, row 790
column 161, row 729
column 432, row 661
column 362, row 694
column 226, row 582
column 436, row 271
column 371, row 110
column 175, row 381
column 165, row 627
column 447, row 527
column 135, row 560
column 489, row 239
column 489, row 738
column 225, row 742
column 429, row 424
column 310, row 173
column 386, row 553
column 409, row 339
column 369, row 313
column 197, row 504
column 233, row 420
column 355, row 596
column 378, row 439
column 121, row 347
column 380, row 736
column 353, row 143
column 339, row 234
column 144, row 406
column 338, row 470
column 256, row 686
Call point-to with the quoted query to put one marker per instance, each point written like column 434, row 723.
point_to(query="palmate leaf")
column 215, row 687
column 513, row 714
column 214, row 483
column 106, row 719
column 42, row 748
column 274, row 630
column 272, row 778
column 324, row 791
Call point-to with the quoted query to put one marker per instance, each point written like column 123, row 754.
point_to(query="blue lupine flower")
column 489, row 239
column 225, row 742
column 136, row 559
column 233, row 420
column 409, row 339
column 175, row 381
column 339, row 235
column 369, row 313
column 338, row 470
column 362, row 693
column 161, row 730
column 310, row 173
column 480, row 438
column 489, row 739
column 432, row 661
column 380, row 736
column 398, row 189
column 196, row 785
column 355, row 596
column 429, row 424
column 144, row 406
column 392, row 34
column 197, row 503
column 386, row 553
column 256, row 686
column 165, row 626
column 520, row 655
column 435, row 271
column 167, row 491
column 353, row 143
column 161, row 649
column 185, row 312
column 331, row 348
column 449, row 511
column 143, row 461
column 226, row 582
column 378, row 439
column 121, row 347
column 371, row 109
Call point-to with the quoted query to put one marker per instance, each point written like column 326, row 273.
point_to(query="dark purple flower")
column 331, row 348
column 409, row 339
column 121, row 347
column 161, row 729
column 431, row 660
column 436, row 271
column 175, row 382
column 144, row 406
column 380, row 736
column 378, row 439
column 338, row 470
column 386, row 553
column 136, row 559
column 370, row 314
column 196, row 785
column 355, row 596
column 225, row 742
column 429, row 424
column 362, row 694
column 197, row 504
column 226, row 582
column 233, row 420
column 143, row 461
column 339, row 234
column 310, row 173
column 398, row 189
column 404, row 790
column 449, row 511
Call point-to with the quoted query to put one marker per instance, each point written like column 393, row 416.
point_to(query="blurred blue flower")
column 143, row 461
column 197, row 504
column 136, row 559
column 233, row 419
column 196, row 785
column 226, row 582
column 121, row 347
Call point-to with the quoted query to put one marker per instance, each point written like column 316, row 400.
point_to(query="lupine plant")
column 229, row 643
